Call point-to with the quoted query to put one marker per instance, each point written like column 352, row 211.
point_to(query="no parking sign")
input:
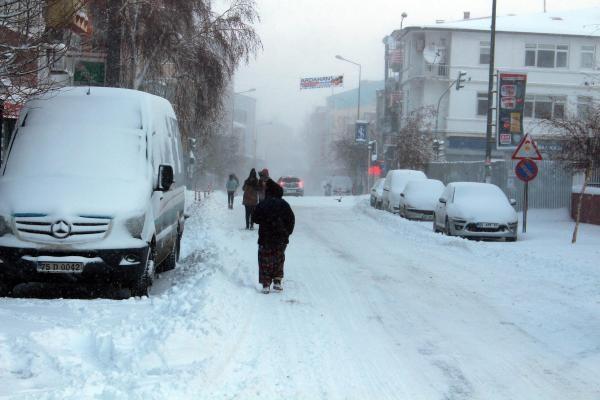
column 526, row 170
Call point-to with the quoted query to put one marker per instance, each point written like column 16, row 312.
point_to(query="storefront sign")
column 511, row 104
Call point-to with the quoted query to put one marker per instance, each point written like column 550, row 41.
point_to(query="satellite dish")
column 431, row 55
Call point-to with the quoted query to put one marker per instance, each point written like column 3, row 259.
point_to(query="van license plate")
column 60, row 267
column 487, row 225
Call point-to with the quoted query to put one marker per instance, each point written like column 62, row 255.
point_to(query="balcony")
column 439, row 70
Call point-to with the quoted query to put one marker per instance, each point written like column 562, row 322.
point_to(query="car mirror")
column 401, row 194
column 165, row 177
column 513, row 202
column 442, row 200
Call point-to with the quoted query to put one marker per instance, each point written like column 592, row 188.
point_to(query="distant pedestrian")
column 250, row 199
column 263, row 177
column 276, row 220
column 231, row 186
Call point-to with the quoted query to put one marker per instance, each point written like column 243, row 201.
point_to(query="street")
column 373, row 307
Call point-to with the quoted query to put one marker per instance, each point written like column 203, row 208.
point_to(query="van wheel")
column 447, row 227
column 6, row 289
column 435, row 228
column 144, row 281
column 171, row 260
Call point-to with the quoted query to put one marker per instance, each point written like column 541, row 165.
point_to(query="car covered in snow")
column 92, row 190
column 419, row 198
column 394, row 184
column 475, row 210
column 337, row 185
column 291, row 185
column 377, row 193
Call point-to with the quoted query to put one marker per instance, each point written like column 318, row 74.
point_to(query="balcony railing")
column 441, row 70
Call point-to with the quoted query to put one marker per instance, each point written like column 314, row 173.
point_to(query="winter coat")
column 232, row 185
column 275, row 218
column 250, row 193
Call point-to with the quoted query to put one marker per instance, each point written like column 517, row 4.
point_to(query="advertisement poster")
column 511, row 104
column 322, row 82
column 362, row 134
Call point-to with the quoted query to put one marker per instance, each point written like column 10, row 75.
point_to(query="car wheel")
column 171, row 260
column 447, row 227
column 140, row 286
column 435, row 228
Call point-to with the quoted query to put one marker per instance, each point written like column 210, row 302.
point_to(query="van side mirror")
column 513, row 202
column 401, row 194
column 165, row 177
column 442, row 200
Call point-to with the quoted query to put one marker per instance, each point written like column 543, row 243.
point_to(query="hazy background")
column 302, row 37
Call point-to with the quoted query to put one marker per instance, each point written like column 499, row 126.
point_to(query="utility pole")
column 490, row 123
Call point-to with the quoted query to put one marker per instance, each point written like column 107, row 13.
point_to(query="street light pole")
column 358, row 112
column 488, row 132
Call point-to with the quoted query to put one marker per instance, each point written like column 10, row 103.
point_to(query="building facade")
column 557, row 51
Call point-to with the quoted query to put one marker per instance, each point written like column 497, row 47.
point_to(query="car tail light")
column 280, row 183
column 301, row 184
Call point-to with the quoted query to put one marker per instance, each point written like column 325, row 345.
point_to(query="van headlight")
column 4, row 226
column 135, row 225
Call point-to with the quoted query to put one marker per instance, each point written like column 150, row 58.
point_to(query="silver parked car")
column 419, row 198
column 377, row 193
column 475, row 210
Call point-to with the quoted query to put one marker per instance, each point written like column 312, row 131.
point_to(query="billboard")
column 322, row 82
column 362, row 132
column 510, row 109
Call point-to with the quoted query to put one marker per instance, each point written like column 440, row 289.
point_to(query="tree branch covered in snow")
column 415, row 139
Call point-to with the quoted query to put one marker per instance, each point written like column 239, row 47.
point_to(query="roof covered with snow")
column 583, row 22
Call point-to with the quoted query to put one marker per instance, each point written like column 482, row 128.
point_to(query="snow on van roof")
column 583, row 22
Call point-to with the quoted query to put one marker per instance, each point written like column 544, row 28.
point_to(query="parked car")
column 475, row 210
column 377, row 193
column 291, row 185
column 395, row 180
column 419, row 198
column 92, row 190
column 338, row 185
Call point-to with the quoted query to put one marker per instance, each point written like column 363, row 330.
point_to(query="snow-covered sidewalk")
column 374, row 307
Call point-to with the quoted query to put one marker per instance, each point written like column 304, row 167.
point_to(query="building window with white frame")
column 546, row 55
column 482, row 104
column 588, row 56
column 484, row 52
column 544, row 107
column 584, row 104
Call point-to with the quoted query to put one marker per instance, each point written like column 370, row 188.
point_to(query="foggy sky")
column 302, row 37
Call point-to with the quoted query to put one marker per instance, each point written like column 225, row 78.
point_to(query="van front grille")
column 62, row 230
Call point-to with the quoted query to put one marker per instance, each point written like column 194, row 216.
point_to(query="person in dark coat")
column 276, row 220
column 250, row 200
column 263, row 177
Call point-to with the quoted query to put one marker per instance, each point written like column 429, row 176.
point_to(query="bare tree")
column 580, row 147
column 33, row 39
column 415, row 139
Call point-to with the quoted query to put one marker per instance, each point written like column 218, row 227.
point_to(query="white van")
column 92, row 190
column 394, row 184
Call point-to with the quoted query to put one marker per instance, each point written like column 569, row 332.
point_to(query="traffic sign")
column 527, row 149
column 526, row 170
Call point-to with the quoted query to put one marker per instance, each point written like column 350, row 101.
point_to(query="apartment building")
column 557, row 50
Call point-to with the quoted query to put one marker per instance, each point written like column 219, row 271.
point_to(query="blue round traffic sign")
column 526, row 170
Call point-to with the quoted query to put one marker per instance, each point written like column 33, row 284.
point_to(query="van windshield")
column 88, row 153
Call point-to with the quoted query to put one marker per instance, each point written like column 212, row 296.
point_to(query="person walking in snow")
column 263, row 177
column 276, row 223
column 250, row 199
column 231, row 186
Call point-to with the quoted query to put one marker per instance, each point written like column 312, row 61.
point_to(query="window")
column 484, row 52
column 544, row 107
column 588, row 55
column 546, row 55
column 583, row 106
column 482, row 103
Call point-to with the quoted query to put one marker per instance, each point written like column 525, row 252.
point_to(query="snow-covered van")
column 92, row 190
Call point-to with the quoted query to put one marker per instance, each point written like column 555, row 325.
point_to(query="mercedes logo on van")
column 60, row 229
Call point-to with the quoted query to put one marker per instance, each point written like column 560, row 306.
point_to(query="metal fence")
column 550, row 189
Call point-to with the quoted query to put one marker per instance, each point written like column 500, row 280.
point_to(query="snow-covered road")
column 374, row 307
